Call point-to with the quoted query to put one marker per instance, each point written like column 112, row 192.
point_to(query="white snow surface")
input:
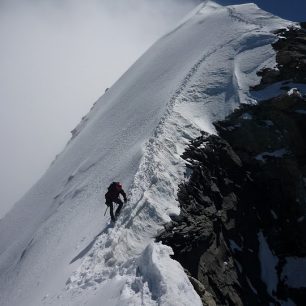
column 294, row 272
column 277, row 153
column 278, row 88
column 268, row 263
column 56, row 247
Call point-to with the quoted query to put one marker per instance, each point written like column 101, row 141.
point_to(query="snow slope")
column 56, row 247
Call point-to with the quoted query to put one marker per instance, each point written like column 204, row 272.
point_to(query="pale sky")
column 294, row 10
column 57, row 57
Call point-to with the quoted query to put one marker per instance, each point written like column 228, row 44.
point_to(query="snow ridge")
column 151, row 203
column 190, row 78
column 119, row 251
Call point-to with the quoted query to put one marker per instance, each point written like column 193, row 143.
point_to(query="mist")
column 56, row 59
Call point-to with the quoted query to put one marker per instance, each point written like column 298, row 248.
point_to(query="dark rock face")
column 210, row 239
column 242, row 228
column 290, row 57
column 273, row 146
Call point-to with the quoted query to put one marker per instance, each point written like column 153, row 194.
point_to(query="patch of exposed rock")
column 290, row 57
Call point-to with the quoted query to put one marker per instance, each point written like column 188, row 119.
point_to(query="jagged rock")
column 200, row 246
column 206, row 297
column 290, row 57
column 276, row 154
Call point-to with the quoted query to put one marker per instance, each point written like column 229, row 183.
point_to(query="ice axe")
column 106, row 210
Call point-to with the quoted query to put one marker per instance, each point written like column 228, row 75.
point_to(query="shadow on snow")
column 90, row 245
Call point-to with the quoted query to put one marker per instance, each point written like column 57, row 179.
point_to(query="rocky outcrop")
column 200, row 237
column 242, row 228
column 290, row 57
column 272, row 144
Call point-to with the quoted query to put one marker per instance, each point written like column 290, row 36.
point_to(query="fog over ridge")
column 56, row 59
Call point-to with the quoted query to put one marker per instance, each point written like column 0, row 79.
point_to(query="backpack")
column 112, row 186
column 112, row 189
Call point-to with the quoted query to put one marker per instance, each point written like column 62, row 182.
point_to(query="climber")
column 112, row 195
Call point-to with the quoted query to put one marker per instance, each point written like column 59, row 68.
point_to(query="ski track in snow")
column 123, row 265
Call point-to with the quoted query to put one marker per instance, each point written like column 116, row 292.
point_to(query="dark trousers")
column 111, row 208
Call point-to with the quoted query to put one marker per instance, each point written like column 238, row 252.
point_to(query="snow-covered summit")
column 49, row 249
